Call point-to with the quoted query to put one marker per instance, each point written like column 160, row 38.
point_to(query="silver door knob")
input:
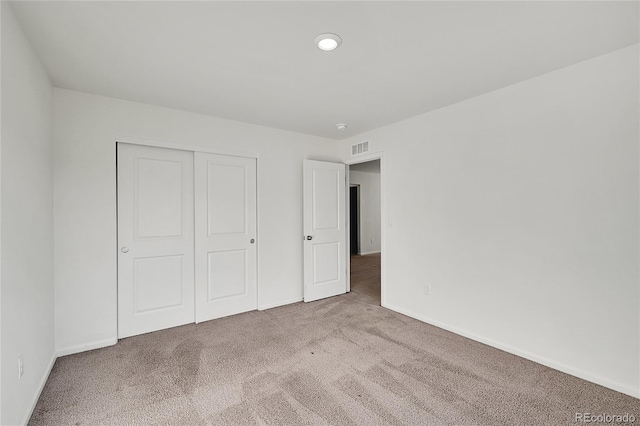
column 309, row 237
column 252, row 241
column 125, row 249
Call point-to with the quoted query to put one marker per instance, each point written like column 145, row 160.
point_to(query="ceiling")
column 256, row 61
column 368, row 167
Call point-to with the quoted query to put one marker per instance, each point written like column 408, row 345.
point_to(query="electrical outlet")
column 426, row 289
column 372, row 241
column 20, row 367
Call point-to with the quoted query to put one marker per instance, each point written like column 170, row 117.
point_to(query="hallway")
column 365, row 277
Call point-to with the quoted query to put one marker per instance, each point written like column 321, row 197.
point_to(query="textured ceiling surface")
column 256, row 61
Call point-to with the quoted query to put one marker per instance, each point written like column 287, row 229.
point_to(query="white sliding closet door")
column 225, row 224
column 155, row 239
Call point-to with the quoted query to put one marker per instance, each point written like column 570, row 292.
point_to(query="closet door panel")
column 225, row 226
column 155, row 239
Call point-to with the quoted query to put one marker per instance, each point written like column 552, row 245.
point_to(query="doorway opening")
column 354, row 219
column 365, row 230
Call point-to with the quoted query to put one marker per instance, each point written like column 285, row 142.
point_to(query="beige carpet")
column 343, row 360
column 365, row 278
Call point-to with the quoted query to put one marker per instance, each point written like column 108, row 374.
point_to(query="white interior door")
column 155, row 239
column 226, row 261
column 325, row 272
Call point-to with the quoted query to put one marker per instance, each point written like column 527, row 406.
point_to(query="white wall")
column 519, row 209
column 85, row 130
column 27, row 223
column 369, row 182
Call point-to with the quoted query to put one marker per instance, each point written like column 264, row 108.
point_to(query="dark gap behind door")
column 354, row 215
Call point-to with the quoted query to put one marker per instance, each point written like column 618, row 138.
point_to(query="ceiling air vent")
column 360, row 148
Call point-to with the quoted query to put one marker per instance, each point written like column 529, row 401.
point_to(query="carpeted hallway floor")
column 343, row 361
column 365, row 278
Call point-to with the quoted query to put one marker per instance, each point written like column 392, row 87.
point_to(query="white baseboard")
column 524, row 354
column 43, row 381
column 87, row 347
column 266, row 306
column 369, row 252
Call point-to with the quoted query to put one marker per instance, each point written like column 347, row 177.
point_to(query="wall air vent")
column 360, row 148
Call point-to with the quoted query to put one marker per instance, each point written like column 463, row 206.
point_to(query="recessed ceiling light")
column 341, row 126
column 328, row 41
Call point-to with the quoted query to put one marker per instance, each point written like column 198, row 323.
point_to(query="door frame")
column 191, row 148
column 383, row 219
